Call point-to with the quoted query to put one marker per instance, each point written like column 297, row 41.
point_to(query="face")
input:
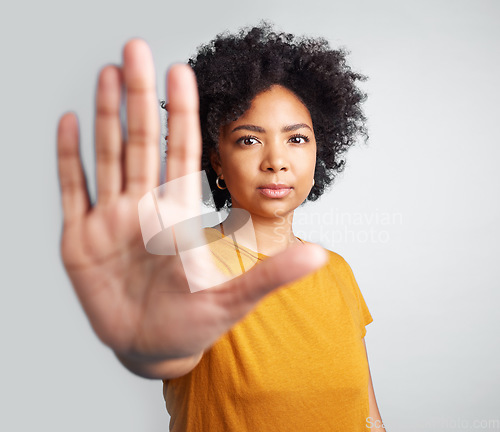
column 267, row 156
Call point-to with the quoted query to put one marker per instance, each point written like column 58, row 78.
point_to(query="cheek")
column 239, row 166
column 306, row 164
column 237, row 178
column 312, row 160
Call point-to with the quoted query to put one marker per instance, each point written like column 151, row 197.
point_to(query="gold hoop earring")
column 313, row 182
column 219, row 177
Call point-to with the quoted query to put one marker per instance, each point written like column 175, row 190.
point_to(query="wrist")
column 160, row 369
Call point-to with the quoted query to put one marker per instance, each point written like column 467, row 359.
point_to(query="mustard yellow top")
column 295, row 363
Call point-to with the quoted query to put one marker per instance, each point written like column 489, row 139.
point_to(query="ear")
column 215, row 161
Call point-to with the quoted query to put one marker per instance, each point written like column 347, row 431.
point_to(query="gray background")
column 415, row 213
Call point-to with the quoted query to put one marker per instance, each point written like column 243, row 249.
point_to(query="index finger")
column 184, row 134
column 178, row 200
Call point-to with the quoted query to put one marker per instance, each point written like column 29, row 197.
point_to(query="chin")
column 275, row 208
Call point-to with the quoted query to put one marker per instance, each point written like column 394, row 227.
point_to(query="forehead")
column 275, row 107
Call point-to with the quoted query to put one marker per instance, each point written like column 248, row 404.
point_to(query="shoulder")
column 334, row 259
column 338, row 269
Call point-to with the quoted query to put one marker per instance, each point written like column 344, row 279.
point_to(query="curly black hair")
column 233, row 68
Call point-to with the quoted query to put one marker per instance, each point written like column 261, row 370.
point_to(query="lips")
column 273, row 190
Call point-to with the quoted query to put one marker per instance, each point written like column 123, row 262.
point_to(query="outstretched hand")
column 140, row 304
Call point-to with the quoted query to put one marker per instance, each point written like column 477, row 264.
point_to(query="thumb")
column 243, row 292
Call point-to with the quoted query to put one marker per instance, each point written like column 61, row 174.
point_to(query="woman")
column 272, row 134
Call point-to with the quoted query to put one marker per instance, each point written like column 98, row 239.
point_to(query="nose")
column 275, row 157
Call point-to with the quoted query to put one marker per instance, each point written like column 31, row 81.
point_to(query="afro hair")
column 233, row 68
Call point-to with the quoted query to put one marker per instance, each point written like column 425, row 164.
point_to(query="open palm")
column 140, row 304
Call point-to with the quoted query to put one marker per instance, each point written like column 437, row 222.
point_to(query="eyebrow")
column 289, row 128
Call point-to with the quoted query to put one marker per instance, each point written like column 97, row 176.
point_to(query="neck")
column 272, row 235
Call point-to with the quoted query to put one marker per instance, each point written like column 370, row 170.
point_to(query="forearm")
column 165, row 369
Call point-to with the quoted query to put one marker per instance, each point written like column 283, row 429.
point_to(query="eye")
column 298, row 139
column 247, row 140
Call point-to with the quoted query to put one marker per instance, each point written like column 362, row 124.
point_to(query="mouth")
column 275, row 190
